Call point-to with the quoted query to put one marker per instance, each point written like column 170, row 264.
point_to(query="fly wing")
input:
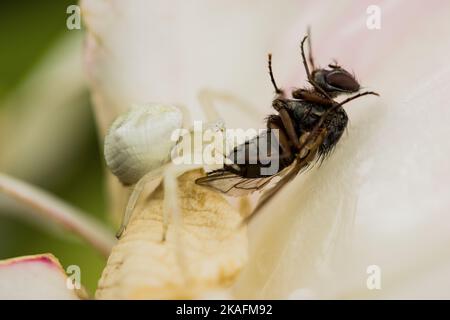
column 231, row 183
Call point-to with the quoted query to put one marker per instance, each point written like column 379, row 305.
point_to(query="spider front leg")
column 171, row 208
column 208, row 99
column 134, row 197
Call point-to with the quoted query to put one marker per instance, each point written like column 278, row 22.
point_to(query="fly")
column 305, row 129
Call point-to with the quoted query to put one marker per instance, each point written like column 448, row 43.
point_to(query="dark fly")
column 305, row 129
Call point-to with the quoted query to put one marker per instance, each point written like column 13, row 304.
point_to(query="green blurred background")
column 28, row 30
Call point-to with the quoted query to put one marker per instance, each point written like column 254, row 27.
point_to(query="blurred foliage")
column 28, row 29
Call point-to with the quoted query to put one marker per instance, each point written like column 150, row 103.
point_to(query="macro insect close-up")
column 217, row 150
column 307, row 127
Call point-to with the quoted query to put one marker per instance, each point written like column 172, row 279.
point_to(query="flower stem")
column 48, row 207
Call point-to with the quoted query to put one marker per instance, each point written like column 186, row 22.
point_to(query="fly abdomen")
column 335, row 124
column 257, row 157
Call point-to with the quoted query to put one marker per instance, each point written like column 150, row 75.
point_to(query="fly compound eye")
column 341, row 80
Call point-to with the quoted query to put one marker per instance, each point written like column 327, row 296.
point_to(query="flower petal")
column 35, row 277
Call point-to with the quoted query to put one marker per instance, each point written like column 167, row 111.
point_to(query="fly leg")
column 307, row 95
column 281, row 106
column 278, row 91
column 308, row 73
column 274, row 122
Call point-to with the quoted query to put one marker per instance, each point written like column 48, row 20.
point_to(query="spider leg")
column 171, row 207
column 209, row 97
column 135, row 194
column 172, row 211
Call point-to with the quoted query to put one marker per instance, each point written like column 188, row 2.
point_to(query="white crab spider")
column 138, row 149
